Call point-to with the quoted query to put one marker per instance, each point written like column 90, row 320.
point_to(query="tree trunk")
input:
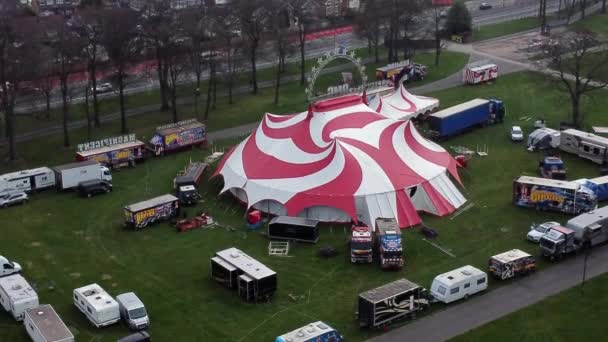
column 230, row 76
column 254, row 76
column 604, row 6
column 48, row 105
column 437, row 40
column 302, row 56
column 214, row 99
column 209, row 88
column 121, row 99
column 87, row 111
column 65, row 110
column 93, row 78
column 576, row 113
column 174, row 102
column 162, row 80
column 276, row 86
column 583, row 7
column 10, row 131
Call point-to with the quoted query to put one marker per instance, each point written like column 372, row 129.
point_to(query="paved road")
column 462, row 317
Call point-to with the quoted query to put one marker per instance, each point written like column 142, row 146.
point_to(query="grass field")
column 65, row 242
column 505, row 28
column 552, row 318
column 596, row 23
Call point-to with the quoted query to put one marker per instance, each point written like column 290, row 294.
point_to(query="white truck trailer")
column 16, row 295
column 43, row 324
column 27, row 180
column 68, row 176
column 585, row 145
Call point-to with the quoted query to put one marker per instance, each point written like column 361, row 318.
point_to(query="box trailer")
column 313, row 332
column 553, row 195
column 479, row 72
column 511, row 263
column 543, row 139
column 390, row 303
column 293, row 228
column 388, row 243
column 142, row 214
column 186, row 185
column 457, row 119
column 459, row 283
column 43, row 324
column 95, row 303
column 68, row 176
column 113, row 152
column 599, row 186
column 237, row 270
column 27, row 180
column 16, row 296
column 585, row 145
column 177, row 136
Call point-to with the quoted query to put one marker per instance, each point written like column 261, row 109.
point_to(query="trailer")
column 27, row 180
column 388, row 243
column 543, row 139
column 553, row 195
column 68, row 176
column 552, row 168
column 293, row 228
column 511, row 263
column 178, row 136
column 391, row 303
column 95, row 303
column 479, row 72
column 237, row 270
column 459, row 283
column 585, row 145
column 465, row 116
column 142, row 214
column 43, row 324
column 361, row 244
column 599, row 186
column 113, row 152
column 313, row 332
column 16, row 296
column 186, row 185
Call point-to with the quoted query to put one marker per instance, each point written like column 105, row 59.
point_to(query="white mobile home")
column 459, row 283
column 99, row 307
column 27, row 180
column 585, row 145
column 44, row 325
column 16, row 295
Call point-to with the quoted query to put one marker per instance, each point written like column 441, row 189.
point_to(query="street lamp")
column 197, row 93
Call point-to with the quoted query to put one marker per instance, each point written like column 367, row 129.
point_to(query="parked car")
column 94, row 187
column 485, row 6
column 140, row 336
column 10, row 199
column 517, row 134
column 103, row 88
column 537, row 231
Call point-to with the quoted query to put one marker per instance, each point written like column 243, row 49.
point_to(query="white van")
column 459, row 283
column 133, row 311
column 8, row 267
column 99, row 307
column 16, row 295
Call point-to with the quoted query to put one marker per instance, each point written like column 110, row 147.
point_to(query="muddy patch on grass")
column 35, row 244
column 75, row 275
column 106, row 277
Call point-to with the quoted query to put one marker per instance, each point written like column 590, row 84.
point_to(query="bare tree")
column 437, row 12
column 224, row 49
column 90, row 29
column 303, row 17
column 576, row 66
column 45, row 77
column 369, row 24
column 119, row 40
column 282, row 39
column 177, row 64
column 194, row 24
column 253, row 17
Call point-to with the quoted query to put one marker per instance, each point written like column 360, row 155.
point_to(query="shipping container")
column 142, row 214
column 173, row 137
column 68, row 176
column 115, row 156
column 464, row 116
column 293, row 228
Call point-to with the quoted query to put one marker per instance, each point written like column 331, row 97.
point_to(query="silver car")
column 537, row 231
column 16, row 198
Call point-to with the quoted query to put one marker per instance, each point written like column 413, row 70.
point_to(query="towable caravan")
column 27, row 180
column 16, row 296
column 235, row 269
column 585, row 145
column 44, row 325
column 459, row 283
column 313, row 332
column 99, row 307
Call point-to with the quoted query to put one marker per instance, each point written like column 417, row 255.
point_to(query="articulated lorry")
column 584, row 231
column 361, row 244
column 388, row 243
column 457, row 119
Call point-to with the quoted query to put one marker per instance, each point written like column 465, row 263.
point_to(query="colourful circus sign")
column 106, row 142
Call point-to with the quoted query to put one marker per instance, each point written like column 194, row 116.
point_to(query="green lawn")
column 597, row 23
column 552, row 318
column 502, row 29
column 65, row 242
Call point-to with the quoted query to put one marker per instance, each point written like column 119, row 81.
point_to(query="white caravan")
column 16, row 295
column 99, row 307
column 8, row 267
column 44, row 325
column 459, row 283
column 27, row 180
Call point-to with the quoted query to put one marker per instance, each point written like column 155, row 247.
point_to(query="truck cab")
column 552, row 167
column 8, row 267
column 497, row 110
column 361, row 247
column 187, row 194
column 388, row 243
column 557, row 242
column 106, row 174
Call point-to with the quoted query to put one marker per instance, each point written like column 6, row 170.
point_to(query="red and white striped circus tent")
column 403, row 105
column 339, row 161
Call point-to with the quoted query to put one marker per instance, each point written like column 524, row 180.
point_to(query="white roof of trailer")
column 511, row 255
column 17, row 288
column 459, row 274
column 307, row 332
column 459, row 108
column 548, row 182
column 151, row 203
column 586, row 135
column 483, row 67
column 96, row 296
column 107, row 149
column 244, row 262
column 26, row 173
column 599, row 180
column 49, row 323
column 589, row 218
